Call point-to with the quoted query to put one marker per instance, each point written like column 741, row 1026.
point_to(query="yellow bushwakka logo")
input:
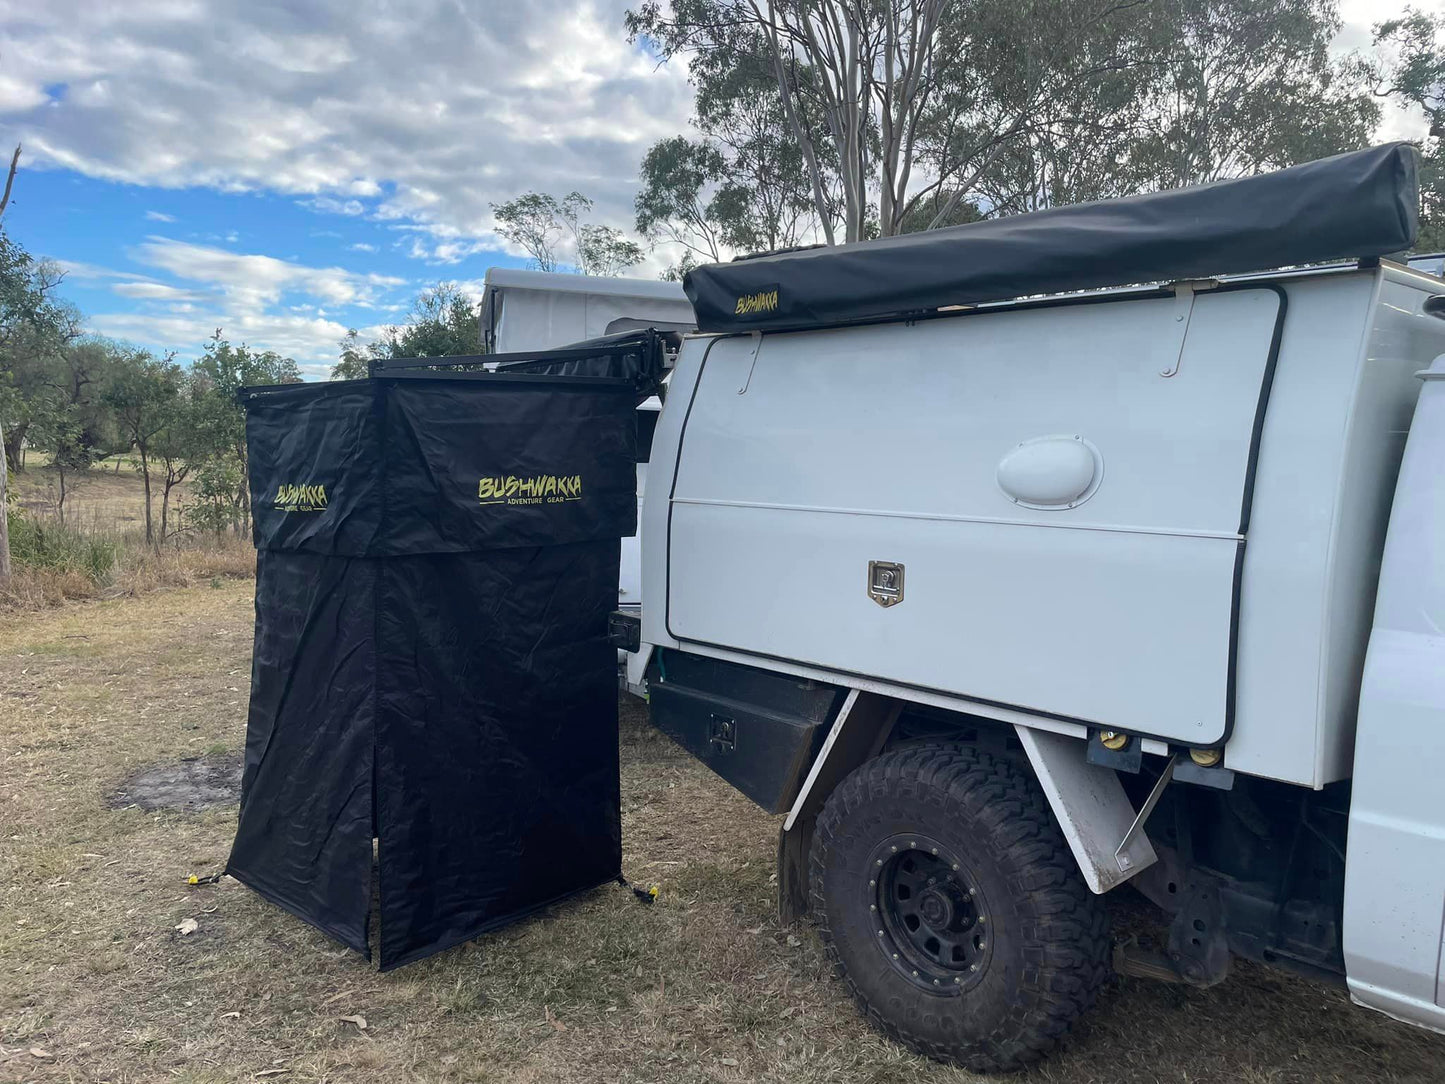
column 300, row 498
column 538, row 489
column 764, row 301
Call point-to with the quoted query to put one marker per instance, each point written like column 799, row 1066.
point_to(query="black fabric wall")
column 437, row 559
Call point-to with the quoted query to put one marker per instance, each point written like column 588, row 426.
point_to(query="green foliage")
column 215, row 424
column 1244, row 86
column 35, row 329
column 939, row 111
column 443, row 323
column 177, row 447
column 538, row 223
column 218, row 496
column 57, row 547
column 68, row 415
column 741, row 187
column 355, row 360
column 1410, row 67
column 603, row 250
column 142, row 392
column 139, row 390
column 82, row 398
column 745, row 185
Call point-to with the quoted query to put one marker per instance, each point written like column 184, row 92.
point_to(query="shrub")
column 55, row 547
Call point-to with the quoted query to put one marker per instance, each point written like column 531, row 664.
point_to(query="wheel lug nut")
column 872, row 907
column 915, row 974
column 935, row 982
column 955, row 867
column 895, row 850
column 879, row 862
column 914, row 843
column 895, row 955
column 872, row 884
column 973, row 967
column 957, row 982
column 935, row 850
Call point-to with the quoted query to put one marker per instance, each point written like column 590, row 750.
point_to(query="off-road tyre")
column 981, row 827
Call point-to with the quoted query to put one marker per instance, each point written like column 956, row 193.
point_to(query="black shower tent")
column 437, row 556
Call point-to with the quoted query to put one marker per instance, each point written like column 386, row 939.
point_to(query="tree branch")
column 10, row 178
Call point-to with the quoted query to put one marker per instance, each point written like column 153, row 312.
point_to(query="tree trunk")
column 174, row 478
column 145, row 473
column 245, row 496
column 13, row 442
column 60, row 503
column 4, row 522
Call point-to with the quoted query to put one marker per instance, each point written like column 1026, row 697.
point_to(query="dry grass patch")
column 109, row 496
column 702, row 986
column 99, row 550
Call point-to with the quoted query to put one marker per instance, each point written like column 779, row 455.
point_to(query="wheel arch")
column 1087, row 800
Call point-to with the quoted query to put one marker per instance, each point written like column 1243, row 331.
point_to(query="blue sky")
column 160, row 266
column 287, row 169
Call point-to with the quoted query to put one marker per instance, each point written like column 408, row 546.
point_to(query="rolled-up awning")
column 1361, row 204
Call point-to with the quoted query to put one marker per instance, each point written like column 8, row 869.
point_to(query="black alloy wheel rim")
column 930, row 920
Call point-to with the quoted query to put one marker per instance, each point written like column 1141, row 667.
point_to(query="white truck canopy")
column 1070, row 485
column 530, row 310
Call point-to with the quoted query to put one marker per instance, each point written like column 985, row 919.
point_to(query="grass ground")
column 97, row 984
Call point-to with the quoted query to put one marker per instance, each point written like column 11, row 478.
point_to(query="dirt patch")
column 188, row 785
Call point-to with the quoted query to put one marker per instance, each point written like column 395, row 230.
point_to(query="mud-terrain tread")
column 1070, row 932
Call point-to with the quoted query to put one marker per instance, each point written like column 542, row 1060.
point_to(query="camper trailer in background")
column 541, row 310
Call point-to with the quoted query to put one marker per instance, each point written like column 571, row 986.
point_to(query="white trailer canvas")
column 539, row 310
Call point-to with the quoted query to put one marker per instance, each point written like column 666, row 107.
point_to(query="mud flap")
column 1091, row 807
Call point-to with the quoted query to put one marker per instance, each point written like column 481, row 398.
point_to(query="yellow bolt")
column 1206, row 758
column 1113, row 740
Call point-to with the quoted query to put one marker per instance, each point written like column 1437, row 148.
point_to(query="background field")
column 98, row 549
column 97, row 984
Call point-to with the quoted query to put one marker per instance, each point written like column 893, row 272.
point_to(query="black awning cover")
column 1361, row 204
column 438, row 555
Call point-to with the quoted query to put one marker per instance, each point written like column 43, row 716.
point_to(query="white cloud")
column 155, row 291
column 361, row 246
column 1359, row 17
column 449, row 251
column 88, row 272
column 426, row 114
column 251, row 282
column 159, row 216
column 311, row 340
column 277, row 304
column 331, row 206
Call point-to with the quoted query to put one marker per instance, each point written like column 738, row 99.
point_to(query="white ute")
column 1006, row 603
